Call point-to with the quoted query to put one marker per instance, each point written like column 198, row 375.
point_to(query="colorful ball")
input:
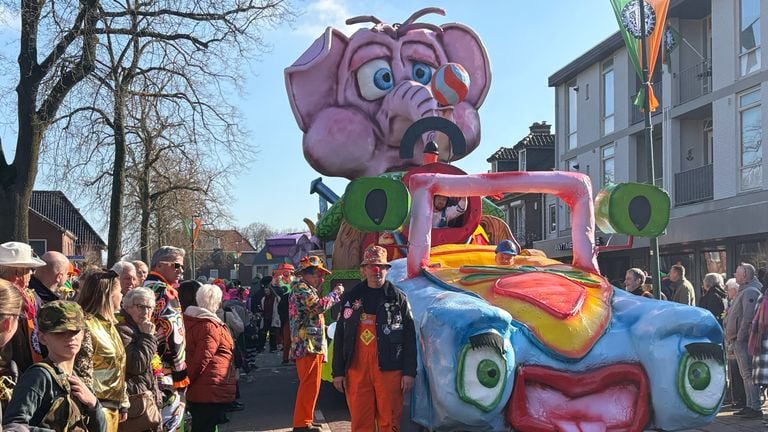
column 450, row 84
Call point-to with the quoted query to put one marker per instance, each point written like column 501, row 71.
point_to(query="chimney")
column 540, row 128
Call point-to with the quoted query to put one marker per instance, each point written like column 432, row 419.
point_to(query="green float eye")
column 631, row 208
column 701, row 378
column 481, row 376
column 373, row 204
column 488, row 373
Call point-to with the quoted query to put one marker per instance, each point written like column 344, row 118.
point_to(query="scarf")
column 759, row 330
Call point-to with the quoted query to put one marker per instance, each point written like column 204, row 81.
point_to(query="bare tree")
column 66, row 33
column 168, row 51
column 257, row 233
column 169, row 176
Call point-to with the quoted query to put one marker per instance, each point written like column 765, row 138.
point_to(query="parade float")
column 537, row 345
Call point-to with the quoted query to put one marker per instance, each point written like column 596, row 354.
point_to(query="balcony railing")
column 694, row 81
column 637, row 114
column 694, row 185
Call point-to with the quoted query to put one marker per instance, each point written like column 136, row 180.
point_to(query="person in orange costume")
column 308, row 344
column 374, row 348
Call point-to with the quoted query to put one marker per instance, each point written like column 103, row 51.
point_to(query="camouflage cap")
column 60, row 316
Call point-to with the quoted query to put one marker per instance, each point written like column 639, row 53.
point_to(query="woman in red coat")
column 209, row 361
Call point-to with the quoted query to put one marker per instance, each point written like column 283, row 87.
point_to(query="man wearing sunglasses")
column 374, row 347
column 166, row 270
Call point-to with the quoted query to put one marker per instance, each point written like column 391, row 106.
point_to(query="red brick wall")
column 42, row 230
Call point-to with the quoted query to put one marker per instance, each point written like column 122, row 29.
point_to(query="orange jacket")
column 209, row 358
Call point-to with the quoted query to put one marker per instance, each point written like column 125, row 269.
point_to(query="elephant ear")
column 311, row 80
column 462, row 45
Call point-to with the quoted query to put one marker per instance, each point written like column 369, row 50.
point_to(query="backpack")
column 65, row 413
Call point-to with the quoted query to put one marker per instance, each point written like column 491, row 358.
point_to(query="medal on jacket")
column 388, row 308
column 386, row 330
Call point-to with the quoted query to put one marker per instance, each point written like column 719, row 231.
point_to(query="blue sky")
column 526, row 42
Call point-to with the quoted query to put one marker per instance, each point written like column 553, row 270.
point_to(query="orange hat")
column 375, row 255
column 283, row 267
column 312, row 261
column 72, row 270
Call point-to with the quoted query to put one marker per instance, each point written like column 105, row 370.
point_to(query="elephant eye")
column 422, row 73
column 375, row 79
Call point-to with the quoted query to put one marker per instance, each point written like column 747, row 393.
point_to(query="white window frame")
column 756, row 166
column 522, row 160
column 608, row 118
column 45, row 244
column 754, row 52
column 572, row 115
column 213, row 273
column 552, row 218
column 517, row 220
column 605, row 158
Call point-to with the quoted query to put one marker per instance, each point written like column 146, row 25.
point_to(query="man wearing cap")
column 308, row 344
column 39, row 401
column 374, row 347
column 17, row 261
column 505, row 252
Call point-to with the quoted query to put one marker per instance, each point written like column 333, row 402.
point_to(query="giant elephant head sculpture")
column 354, row 97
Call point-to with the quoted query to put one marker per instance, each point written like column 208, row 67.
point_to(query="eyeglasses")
column 144, row 308
column 175, row 265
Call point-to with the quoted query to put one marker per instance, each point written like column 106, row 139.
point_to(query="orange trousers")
column 374, row 397
column 309, row 368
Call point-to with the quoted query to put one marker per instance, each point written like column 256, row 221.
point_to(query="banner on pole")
column 197, row 222
column 628, row 17
column 192, row 229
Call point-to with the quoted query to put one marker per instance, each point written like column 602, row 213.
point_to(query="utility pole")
column 654, row 246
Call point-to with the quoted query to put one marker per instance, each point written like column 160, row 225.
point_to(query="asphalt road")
column 269, row 392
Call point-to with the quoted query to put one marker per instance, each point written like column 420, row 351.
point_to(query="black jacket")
column 714, row 301
column 42, row 291
column 395, row 332
column 282, row 306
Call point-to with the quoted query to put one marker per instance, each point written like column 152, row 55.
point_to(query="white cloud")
column 326, row 13
column 9, row 20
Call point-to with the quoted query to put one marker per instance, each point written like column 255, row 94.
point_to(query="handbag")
column 143, row 413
